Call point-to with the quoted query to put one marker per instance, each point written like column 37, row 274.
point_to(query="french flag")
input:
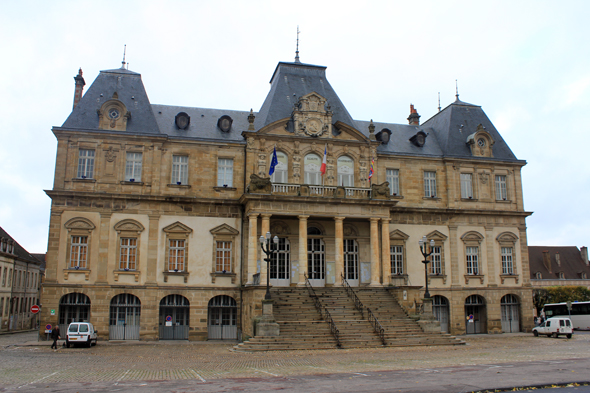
column 323, row 167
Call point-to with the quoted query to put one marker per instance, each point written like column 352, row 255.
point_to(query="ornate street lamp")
column 268, row 251
column 423, row 243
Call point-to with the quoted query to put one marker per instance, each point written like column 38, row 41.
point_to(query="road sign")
column 168, row 318
column 569, row 305
column 471, row 317
column 48, row 328
column 52, row 312
column 34, row 309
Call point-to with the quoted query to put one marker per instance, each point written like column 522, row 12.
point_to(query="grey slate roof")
column 131, row 92
column 291, row 81
column 458, row 121
column 19, row 250
column 572, row 263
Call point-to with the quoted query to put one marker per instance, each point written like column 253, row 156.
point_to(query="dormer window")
column 383, row 136
column 224, row 123
column 182, row 120
column 561, row 275
column 583, row 275
column 538, row 276
column 480, row 142
column 419, row 139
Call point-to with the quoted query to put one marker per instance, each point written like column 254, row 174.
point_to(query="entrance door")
column 73, row 307
column 222, row 318
column 280, row 264
column 510, row 315
column 440, row 308
column 124, row 317
column 174, row 318
column 351, row 262
column 475, row 315
column 316, row 262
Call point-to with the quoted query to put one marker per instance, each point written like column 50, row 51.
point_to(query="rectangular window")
column 397, row 259
column 79, row 252
column 1, row 307
column 436, row 260
column 472, row 265
column 4, row 278
column 179, row 169
column 393, row 179
column 430, row 184
column 133, row 167
column 128, row 254
column 225, row 172
column 501, row 194
column 466, row 186
column 507, row 267
column 10, row 277
column 86, row 164
column 223, row 258
column 176, row 256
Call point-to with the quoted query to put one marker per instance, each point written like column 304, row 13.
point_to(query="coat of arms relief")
column 312, row 117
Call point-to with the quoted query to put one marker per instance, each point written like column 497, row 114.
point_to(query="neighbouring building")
column 157, row 209
column 562, row 265
column 20, row 274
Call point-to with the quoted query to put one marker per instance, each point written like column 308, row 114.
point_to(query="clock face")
column 481, row 142
column 114, row 113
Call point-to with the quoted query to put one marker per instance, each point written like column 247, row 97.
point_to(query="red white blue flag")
column 323, row 167
column 371, row 169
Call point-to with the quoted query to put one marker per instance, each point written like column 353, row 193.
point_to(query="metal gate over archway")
column 475, row 306
column 73, row 307
column 222, row 318
column 510, row 314
column 174, row 318
column 440, row 309
column 124, row 317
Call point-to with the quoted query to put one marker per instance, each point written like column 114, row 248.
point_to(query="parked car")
column 553, row 327
column 81, row 333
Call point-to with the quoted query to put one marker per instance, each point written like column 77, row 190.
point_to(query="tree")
column 559, row 294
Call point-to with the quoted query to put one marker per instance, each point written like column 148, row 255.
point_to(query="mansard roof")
column 572, row 263
column 130, row 91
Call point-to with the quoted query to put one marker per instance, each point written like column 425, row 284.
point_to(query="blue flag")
column 273, row 162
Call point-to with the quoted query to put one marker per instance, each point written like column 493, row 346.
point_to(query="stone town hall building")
column 157, row 210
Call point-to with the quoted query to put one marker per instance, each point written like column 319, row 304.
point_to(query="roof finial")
column 124, row 52
column 297, row 48
column 439, row 101
column 456, row 90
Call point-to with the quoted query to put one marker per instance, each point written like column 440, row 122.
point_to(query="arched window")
column 311, row 167
column 125, row 312
column 345, row 171
column 281, row 173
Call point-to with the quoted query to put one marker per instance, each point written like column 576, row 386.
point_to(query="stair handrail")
column 324, row 313
column 359, row 305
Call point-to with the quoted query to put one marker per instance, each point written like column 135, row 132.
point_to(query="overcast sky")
column 527, row 63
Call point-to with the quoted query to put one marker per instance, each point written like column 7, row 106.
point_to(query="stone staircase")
column 301, row 326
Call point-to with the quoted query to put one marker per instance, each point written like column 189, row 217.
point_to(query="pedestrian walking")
column 55, row 336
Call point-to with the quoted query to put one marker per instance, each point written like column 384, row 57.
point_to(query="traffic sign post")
column 35, row 309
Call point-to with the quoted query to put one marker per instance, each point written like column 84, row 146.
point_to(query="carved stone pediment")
column 129, row 225
column 177, row 227
column 80, row 223
column 259, row 185
column 224, row 229
column 311, row 116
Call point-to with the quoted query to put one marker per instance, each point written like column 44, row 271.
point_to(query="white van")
column 553, row 327
column 81, row 333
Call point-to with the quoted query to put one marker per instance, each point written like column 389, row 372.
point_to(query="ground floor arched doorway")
column 222, row 318
column 510, row 314
column 73, row 307
column 440, row 309
column 174, row 318
column 125, row 311
column 475, row 315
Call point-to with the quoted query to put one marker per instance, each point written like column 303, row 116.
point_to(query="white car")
column 81, row 333
column 553, row 327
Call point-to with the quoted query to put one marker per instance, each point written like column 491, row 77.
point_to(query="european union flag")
column 273, row 162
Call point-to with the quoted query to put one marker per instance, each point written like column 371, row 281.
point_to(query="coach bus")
column 580, row 313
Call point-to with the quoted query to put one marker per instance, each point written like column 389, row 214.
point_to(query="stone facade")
column 157, row 210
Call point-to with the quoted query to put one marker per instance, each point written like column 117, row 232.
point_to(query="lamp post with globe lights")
column 423, row 249
column 268, row 250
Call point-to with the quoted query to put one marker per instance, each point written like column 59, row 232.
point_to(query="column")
column 264, row 228
column 103, row 248
column 302, row 249
column 375, row 271
column 252, row 247
column 339, row 252
column 152, row 257
column 385, row 252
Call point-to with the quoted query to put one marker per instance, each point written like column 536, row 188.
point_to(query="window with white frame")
column 393, row 180
column 466, row 186
column 86, row 164
column 471, row 254
column 501, row 193
column 397, row 259
column 223, row 257
column 311, row 167
column 281, row 173
column 176, row 255
column 179, row 170
column 430, row 184
column 128, row 253
column 507, row 267
column 79, row 252
column 133, row 166
column 436, row 260
column 225, row 172
column 345, row 171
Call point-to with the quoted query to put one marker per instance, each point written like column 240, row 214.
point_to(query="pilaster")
column 103, row 248
column 252, row 247
column 385, row 252
column 152, row 257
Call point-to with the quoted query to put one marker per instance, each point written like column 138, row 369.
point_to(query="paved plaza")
column 487, row 361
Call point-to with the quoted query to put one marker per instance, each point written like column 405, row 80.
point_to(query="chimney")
column 547, row 260
column 584, row 252
column 79, row 87
column 557, row 259
column 414, row 117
